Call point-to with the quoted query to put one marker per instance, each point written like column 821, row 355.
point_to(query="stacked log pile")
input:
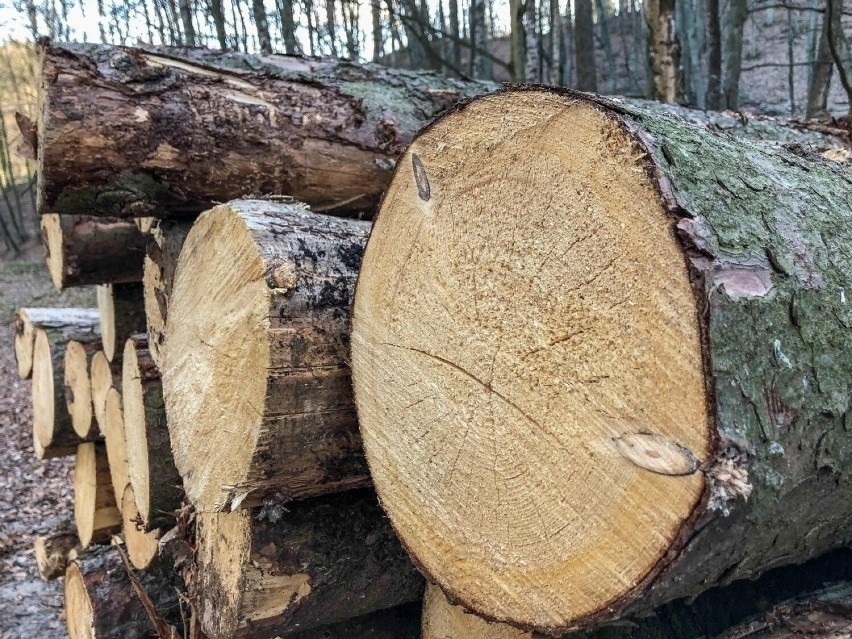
column 542, row 479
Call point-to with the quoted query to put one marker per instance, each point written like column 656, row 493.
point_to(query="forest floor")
column 32, row 492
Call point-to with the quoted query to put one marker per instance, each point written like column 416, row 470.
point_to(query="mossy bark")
column 168, row 131
column 767, row 239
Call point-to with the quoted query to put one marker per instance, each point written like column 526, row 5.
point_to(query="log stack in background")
column 209, row 402
column 324, row 131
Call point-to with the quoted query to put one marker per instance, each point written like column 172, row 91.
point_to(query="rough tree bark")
column 256, row 376
column 201, row 126
column 53, row 546
column 164, row 244
column 102, row 603
column 664, row 50
column 81, row 250
column 633, row 400
column 122, row 311
column 271, row 571
column 69, row 322
column 155, row 480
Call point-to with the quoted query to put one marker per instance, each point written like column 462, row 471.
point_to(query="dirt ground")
column 32, row 492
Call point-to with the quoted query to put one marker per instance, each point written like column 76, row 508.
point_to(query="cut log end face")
column 101, row 382
column 142, row 547
column 526, row 346
column 443, row 620
column 215, row 372
column 95, row 512
column 135, row 430
column 106, row 309
column 78, row 388
column 54, row 249
column 115, row 442
column 44, row 398
column 79, row 615
column 24, row 344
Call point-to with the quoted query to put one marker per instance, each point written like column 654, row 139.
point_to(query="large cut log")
column 122, row 312
column 53, row 429
column 95, row 511
column 161, row 255
column 78, row 387
column 82, row 250
column 401, row 622
column 629, row 388
column 274, row 570
column 150, row 463
column 256, row 377
column 116, row 443
column 70, row 322
column 169, row 131
column 104, row 375
column 443, row 620
column 101, row 601
column 142, row 545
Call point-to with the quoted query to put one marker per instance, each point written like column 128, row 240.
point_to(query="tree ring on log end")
column 44, row 396
column 54, row 248
column 78, row 607
column 216, row 368
column 78, row 388
column 508, row 335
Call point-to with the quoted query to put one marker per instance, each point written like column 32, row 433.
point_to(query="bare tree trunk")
column 330, row 28
column 262, row 24
column 557, row 44
column 737, row 13
column 823, row 68
column 714, row 56
column 312, row 21
column 839, row 46
column 376, row 11
column 218, row 14
column 607, row 45
column 186, row 19
column 664, row 50
column 516, row 26
column 455, row 36
column 791, row 43
column 584, row 46
column 532, row 58
column 480, row 63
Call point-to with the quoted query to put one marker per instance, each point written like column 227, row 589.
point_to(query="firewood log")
column 104, row 375
column 601, row 355
column 66, row 321
column 443, row 620
column 53, row 429
column 95, row 511
column 169, row 131
column 122, row 313
column 287, row 567
column 256, row 378
column 81, row 250
column 77, row 379
column 102, row 603
column 162, row 250
column 150, row 463
column 142, row 545
column 116, row 443
column 53, row 549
